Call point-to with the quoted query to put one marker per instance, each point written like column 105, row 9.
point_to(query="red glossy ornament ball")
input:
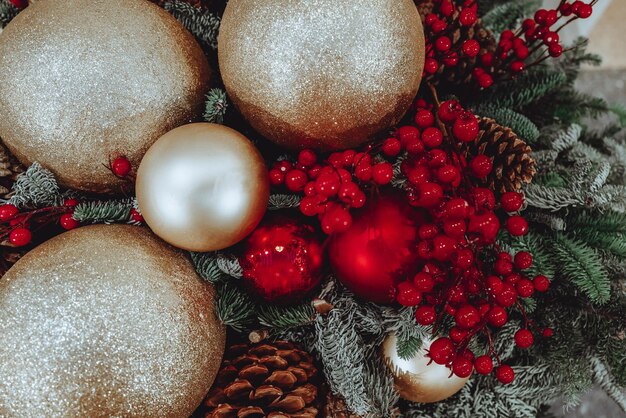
column 378, row 250
column 282, row 259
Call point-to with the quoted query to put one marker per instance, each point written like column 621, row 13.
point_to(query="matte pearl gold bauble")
column 106, row 321
column 415, row 379
column 202, row 187
column 325, row 74
column 82, row 81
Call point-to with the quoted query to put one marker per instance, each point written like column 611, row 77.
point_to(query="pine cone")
column 264, row 380
column 336, row 407
column 513, row 165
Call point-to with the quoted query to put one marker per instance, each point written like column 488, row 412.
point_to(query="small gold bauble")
column 416, row 380
column 202, row 187
column 106, row 321
column 82, row 81
column 325, row 74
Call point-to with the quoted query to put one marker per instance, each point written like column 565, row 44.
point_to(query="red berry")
column 524, row 338
column 522, row 52
column 517, row 66
column 429, row 194
column 494, row 285
column 419, row 175
column 451, row 59
column 457, row 334
column 511, row 201
column 462, row 367
column 408, row 295
column 136, row 216
column 432, row 137
column 540, row 16
column 551, row 17
column 550, row 38
column 466, row 127
column 507, row 296
column 408, row 133
column 541, row 283
column 277, row 177
column 441, row 350
column 456, row 208
column 483, row 198
column 20, row 4
column 443, row 44
column 486, row 225
column 505, row 374
column 121, row 166
column 446, row 8
column 431, row 66
column 463, row 258
column 425, row 315
column 20, row 237
column 449, row 111
column 503, row 267
column 382, row 173
column 467, row 17
column 439, row 26
column 314, row 171
column 392, row 147
column 547, row 332
column 295, row 180
column 307, row 157
column 467, row 317
column 424, row 282
column 424, row 118
column 481, row 166
column 517, row 226
column 523, row 260
column 483, row 364
column 555, row 50
column 70, row 203
column 471, row 48
column 447, row 173
column 8, row 212
column 68, row 222
column 513, row 278
column 485, row 81
column 327, row 183
column 309, row 206
column 525, row 288
column 584, row 11
column 443, row 247
column 336, row 219
column 497, row 316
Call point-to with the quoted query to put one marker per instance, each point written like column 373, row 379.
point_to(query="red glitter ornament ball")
column 282, row 259
column 378, row 250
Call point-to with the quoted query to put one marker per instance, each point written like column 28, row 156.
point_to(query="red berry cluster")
column 334, row 186
column 537, row 40
column 444, row 49
column 18, row 227
column 457, row 240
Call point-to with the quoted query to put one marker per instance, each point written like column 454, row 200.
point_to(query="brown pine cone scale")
column 265, row 380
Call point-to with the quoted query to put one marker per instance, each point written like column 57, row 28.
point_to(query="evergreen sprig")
column 216, row 106
column 36, row 188
column 7, row 12
column 203, row 24
column 107, row 212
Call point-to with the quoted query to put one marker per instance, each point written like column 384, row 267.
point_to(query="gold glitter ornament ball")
column 416, row 380
column 325, row 74
column 106, row 321
column 82, row 81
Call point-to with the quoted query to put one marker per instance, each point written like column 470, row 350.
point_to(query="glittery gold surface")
column 106, row 321
column 202, row 187
column 415, row 379
column 83, row 79
column 321, row 73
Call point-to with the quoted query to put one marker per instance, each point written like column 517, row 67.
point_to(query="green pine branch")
column 216, row 106
column 7, row 12
column 281, row 318
column 235, row 308
column 508, row 15
column 207, row 267
column 35, row 188
column 201, row 23
column 581, row 265
column 283, row 201
column 107, row 212
column 519, row 123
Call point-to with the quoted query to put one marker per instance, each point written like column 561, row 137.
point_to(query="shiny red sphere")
column 282, row 259
column 378, row 250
